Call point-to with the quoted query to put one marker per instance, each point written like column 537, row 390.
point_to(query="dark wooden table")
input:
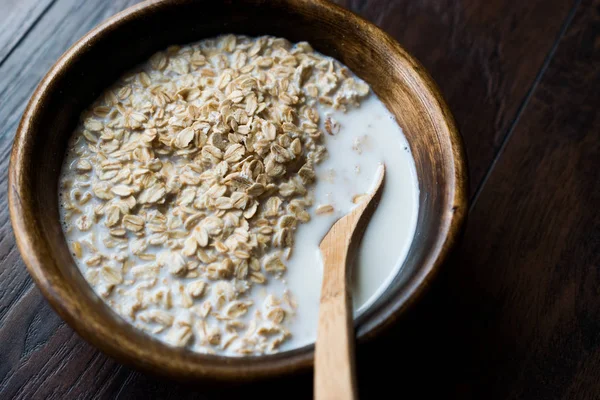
column 516, row 313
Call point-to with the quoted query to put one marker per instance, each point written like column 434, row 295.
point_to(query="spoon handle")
column 335, row 370
column 335, row 376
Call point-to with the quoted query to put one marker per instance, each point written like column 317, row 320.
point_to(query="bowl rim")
column 226, row 367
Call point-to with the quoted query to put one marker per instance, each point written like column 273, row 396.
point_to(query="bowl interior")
column 133, row 36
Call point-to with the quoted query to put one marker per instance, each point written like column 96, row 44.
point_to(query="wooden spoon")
column 334, row 350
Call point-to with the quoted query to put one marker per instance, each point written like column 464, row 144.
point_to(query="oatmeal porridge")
column 196, row 190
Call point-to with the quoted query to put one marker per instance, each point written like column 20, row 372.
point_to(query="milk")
column 368, row 136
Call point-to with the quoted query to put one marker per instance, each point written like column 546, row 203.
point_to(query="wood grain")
column 19, row 300
column 16, row 19
column 517, row 315
column 335, row 369
column 20, row 75
column 532, row 250
column 485, row 55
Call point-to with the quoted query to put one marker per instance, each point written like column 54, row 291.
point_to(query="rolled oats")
column 192, row 175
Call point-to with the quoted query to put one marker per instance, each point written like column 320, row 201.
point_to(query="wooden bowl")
column 130, row 37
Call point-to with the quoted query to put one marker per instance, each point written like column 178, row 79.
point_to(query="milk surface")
column 368, row 136
column 364, row 137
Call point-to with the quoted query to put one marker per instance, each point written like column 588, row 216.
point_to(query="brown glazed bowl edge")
column 129, row 346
